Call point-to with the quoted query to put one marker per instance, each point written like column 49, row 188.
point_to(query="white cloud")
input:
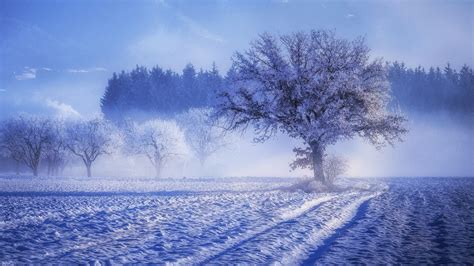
column 46, row 69
column 27, row 73
column 3, row 90
column 77, row 71
column 97, row 69
column 86, row 70
column 62, row 110
column 350, row 16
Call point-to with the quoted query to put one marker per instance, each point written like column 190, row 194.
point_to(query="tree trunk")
column 202, row 161
column 35, row 165
column 318, row 155
column 158, row 168
column 17, row 168
column 49, row 167
column 88, row 166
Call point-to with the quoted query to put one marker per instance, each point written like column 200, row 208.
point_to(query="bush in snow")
column 312, row 86
column 158, row 140
column 333, row 165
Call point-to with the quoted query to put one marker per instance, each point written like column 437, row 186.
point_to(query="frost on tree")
column 312, row 86
column 55, row 151
column 158, row 140
column 10, row 142
column 90, row 139
column 25, row 139
column 203, row 133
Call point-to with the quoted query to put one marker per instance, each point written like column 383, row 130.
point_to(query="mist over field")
column 236, row 132
column 446, row 152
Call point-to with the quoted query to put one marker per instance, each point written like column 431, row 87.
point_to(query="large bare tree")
column 312, row 86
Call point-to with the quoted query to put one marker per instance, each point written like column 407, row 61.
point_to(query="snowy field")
column 235, row 220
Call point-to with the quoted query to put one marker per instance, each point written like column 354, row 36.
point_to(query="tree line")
column 33, row 141
column 142, row 92
column 435, row 89
column 41, row 143
column 157, row 91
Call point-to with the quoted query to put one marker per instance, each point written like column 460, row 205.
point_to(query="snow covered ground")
column 234, row 220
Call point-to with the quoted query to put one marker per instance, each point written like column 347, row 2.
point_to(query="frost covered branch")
column 312, row 86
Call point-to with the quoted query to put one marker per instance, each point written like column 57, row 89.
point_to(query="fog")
column 56, row 60
column 437, row 145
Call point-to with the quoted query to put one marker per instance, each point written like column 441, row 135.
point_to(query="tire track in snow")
column 306, row 252
column 285, row 216
column 321, row 250
column 283, row 237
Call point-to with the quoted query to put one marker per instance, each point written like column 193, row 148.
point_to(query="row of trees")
column 159, row 91
column 436, row 89
column 164, row 92
column 34, row 140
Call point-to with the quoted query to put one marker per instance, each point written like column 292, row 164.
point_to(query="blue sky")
column 56, row 56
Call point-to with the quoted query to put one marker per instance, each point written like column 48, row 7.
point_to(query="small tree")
column 203, row 134
column 334, row 166
column 25, row 138
column 158, row 140
column 312, row 86
column 90, row 139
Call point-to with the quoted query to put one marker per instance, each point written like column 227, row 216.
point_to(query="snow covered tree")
column 158, row 140
column 90, row 139
column 55, row 151
column 25, row 138
column 203, row 134
column 312, row 86
column 10, row 142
